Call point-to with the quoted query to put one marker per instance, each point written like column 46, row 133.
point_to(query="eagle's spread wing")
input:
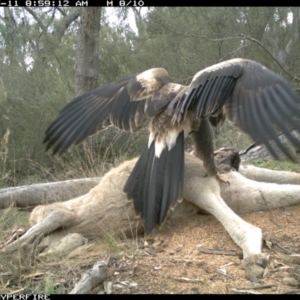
column 125, row 104
column 256, row 99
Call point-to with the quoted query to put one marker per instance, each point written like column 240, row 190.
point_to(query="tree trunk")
column 87, row 61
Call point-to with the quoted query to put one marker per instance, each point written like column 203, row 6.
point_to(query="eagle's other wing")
column 256, row 99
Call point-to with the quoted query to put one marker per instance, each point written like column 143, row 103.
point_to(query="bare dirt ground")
column 174, row 261
column 195, row 255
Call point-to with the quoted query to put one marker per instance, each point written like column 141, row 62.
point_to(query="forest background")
column 50, row 55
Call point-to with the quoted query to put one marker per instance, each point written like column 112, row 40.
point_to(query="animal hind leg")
column 245, row 235
column 57, row 218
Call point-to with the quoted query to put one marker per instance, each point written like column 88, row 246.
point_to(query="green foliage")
column 50, row 287
column 277, row 165
column 37, row 58
column 10, row 218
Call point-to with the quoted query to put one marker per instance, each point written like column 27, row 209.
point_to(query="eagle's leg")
column 203, row 139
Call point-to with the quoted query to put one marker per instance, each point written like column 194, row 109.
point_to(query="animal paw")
column 255, row 265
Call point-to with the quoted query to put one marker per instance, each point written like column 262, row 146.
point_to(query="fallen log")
column 45, row 193
column 91, row 278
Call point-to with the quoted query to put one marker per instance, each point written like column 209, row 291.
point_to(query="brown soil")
column 174, row 262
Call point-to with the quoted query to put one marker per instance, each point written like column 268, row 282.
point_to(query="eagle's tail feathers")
column 156, row 183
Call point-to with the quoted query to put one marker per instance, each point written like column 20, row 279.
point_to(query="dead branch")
column 249, row 38
column 257, row 287
column 186, row 279
column 91, row 278
column 45, row 193
column 245, row 292
column 270, row 54
column 220, row 252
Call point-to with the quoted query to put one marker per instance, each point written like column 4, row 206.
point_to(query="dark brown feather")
column 254, row 98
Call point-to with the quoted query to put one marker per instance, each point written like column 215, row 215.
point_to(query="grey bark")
column 87, row 52
column 44, row 193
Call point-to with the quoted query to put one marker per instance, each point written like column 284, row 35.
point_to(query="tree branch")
column 67, row 20
column 61, row 11
column 295, row 78
column 270, row 54
column 34, row 15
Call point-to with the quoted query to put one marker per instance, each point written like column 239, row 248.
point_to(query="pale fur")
column 105, row 209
